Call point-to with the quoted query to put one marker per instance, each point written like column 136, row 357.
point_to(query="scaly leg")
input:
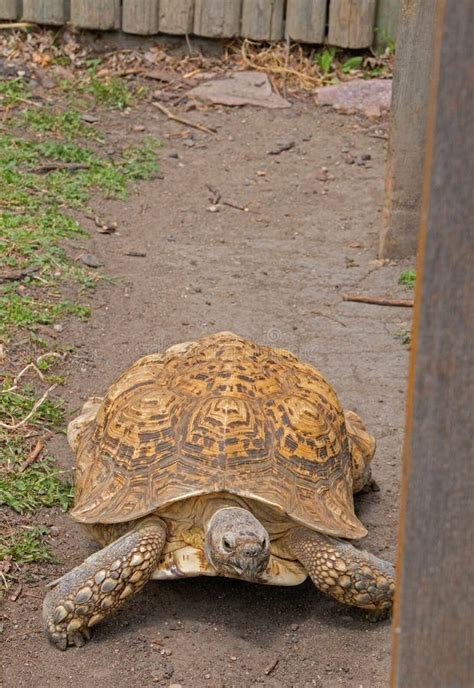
column 348, row 574
column 101, row 584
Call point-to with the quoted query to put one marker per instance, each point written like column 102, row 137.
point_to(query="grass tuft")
column 40, row 149
column 408, row 278
column 26, row 546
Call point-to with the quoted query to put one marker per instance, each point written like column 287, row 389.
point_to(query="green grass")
column 28, row 312
column 22, row 187
column 325, row 59
column 37, row 486
column 15, row 405
column 354, row 62
column 334, row 64
column 67, row 124
column 26, row 546
column 35, row 224
column 404, row 335
column 35, row 221
column 408, row 278
column 111, row 92
column 13, row 91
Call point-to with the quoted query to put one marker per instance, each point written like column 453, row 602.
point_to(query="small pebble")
column 91, row 260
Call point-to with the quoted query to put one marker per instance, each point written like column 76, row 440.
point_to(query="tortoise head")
column 236, row 543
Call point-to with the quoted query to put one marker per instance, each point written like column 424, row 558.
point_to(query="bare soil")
column 276, row 274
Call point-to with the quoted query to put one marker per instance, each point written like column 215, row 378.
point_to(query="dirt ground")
column 276, row 274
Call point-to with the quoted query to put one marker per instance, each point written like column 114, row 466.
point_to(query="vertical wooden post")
column 433, row 642
column 176, row 16
column 262, row 20
column 140, row 16
column 306, row 20
column 351, row 23
column 10, row 9
column 46, row 11
column 96, row 14
column 386, row 21
column 217, row 18
column 411, row 92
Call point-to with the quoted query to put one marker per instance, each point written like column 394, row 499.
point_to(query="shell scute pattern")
column 221, row 414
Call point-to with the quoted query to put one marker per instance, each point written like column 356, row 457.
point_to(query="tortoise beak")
column 250, row 569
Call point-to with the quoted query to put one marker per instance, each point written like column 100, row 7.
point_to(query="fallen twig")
column 378, row 300
column 20, row 375
column 36, row 406
column 53, row 166
column 32, row 456
column 182, row 120
column 18, row 25
column 240, row 207
column 271, row 667
column 16, row 275
column 34, row 366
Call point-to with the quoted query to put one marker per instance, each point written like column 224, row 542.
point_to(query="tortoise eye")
column 226, row 544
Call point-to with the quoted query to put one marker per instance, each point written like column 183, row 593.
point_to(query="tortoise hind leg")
column 362, row 450
column 102, row 583
column 350, row 575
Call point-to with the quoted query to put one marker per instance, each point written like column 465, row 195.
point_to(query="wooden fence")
column 344, row 23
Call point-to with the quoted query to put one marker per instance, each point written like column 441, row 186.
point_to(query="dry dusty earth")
column 276, row 274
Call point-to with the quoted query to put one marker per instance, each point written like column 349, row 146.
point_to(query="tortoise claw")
column 62, row 639
column 81, row 637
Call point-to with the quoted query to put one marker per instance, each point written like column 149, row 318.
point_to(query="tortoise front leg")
column 102, row 583
column 350, row 575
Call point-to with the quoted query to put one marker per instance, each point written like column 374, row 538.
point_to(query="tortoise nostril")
column 251, row 551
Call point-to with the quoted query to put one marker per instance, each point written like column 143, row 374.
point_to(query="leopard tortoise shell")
column 217, row 457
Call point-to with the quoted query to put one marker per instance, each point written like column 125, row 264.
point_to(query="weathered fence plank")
column 176, row 16
column 140, row 16
column 433, row 640
column 306, row 20
column 46, row 11
column 386, row 21
column 217, row 18
column 410, row 97
column 351, row 23
column 262, row 20
column 96, row 14
column 10, row 9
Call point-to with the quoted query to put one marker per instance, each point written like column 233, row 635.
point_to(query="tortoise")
column 217, row 457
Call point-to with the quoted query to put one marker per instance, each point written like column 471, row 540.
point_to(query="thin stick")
column 182, row 120
column 32, row 456
column 378, row 300
column 237, row 207
column 15, row 426
column 18, row 25
column 34, row 366
column 15, row 275
column 20, row 375
column 53, row 166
